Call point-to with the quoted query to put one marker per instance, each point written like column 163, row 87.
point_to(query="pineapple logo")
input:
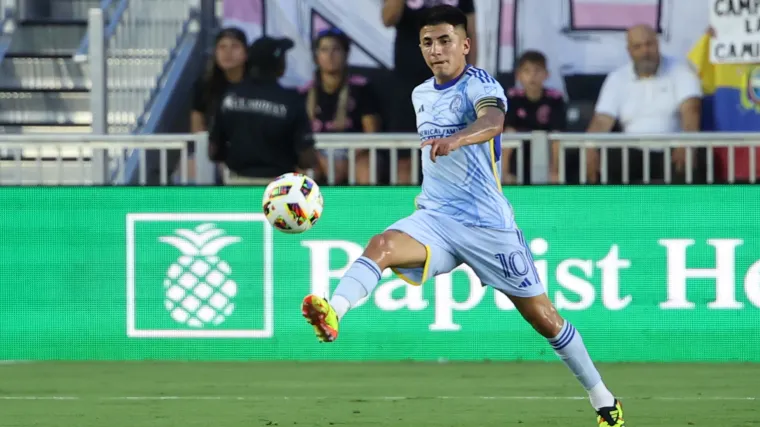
column 198, row 288
column 199, row 275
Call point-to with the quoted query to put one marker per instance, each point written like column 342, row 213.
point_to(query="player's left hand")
column 441, row 147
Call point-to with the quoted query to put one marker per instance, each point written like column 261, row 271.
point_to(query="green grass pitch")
column 194, row 394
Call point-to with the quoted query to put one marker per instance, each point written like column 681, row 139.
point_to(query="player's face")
column 331, row 58
column 230, row 53
column 444, row 48
column 532, row 76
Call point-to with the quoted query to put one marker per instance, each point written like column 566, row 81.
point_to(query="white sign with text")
column 737, row 31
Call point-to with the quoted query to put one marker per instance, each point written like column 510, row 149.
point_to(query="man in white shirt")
column 651, row 94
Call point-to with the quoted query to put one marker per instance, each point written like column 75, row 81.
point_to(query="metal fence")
column 71, row 159
column 615, row 152
column 129, row 45
column 385, row 150
column 700, row 155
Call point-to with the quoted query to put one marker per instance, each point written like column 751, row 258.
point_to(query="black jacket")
column 261, row 130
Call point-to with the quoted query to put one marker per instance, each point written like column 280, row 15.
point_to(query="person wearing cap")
column 261, row 129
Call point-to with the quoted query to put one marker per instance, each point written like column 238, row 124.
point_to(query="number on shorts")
column 513, row 265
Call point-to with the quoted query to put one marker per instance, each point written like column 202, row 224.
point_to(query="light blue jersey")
column 466, row 184
column 463, row 216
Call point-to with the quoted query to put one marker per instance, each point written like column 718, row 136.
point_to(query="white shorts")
column 500, row 258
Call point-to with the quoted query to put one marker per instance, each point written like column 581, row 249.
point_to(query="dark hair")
column 334, row 33
column 214, row 81
column 444, row 14
column 341, row 111
column 532, row 57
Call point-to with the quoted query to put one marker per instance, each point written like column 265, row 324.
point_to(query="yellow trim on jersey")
column 424, row 270
column 494, row 165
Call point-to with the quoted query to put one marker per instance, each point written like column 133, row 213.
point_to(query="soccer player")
column 462, row 216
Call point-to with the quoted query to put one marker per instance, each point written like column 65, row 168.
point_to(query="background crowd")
column 652, row 94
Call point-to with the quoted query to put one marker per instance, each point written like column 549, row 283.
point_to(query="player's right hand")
column 441, row 147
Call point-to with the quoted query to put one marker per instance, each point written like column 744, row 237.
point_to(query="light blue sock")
column 358, row 282
column 569, row 346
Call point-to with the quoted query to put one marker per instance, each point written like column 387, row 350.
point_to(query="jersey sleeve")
column 198, row 101
column 510, row 118
column 484, row 91
column 218, row 135
column 366, row 101
column 558, row 117
column 303, row 137
column 687, row 84
column 608, row 102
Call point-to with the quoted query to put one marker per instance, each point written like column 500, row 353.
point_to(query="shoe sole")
column 317, row 319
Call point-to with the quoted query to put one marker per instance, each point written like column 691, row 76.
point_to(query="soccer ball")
column 292, row 203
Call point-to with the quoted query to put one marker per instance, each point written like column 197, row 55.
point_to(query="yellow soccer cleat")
column 319, row 314
column 611, row 416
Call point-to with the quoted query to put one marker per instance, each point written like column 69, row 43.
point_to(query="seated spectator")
column 228, row 65
column 651, row 94
column 339, row 102
column 261, row 129
column 534, row 107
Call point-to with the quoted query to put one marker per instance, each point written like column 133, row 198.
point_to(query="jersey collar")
column 452, row 82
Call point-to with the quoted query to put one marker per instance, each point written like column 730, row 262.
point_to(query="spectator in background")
column 410, row 68
column 731, row 103
column 261, row 129
column 339, row 102
column 228, row 65
column 652, row 94
column 533, row 107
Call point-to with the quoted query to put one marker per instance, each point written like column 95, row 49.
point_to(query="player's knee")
column 380, row 249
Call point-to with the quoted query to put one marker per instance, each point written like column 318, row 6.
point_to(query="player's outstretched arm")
column 490, row 123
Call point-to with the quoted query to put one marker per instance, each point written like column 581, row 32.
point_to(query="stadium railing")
column 391, row 143
column 647, row 142
column 141, row 39
column 44, row 159
column 540, row 151
column 53, row 159
column 146, row 45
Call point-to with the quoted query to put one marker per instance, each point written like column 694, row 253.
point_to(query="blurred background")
column 157, row 72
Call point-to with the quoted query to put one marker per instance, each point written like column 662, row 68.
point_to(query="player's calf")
column 541, row 314
column 568, row 344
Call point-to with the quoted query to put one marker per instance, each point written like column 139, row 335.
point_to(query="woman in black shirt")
column 339, row 102
column 228, row 65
